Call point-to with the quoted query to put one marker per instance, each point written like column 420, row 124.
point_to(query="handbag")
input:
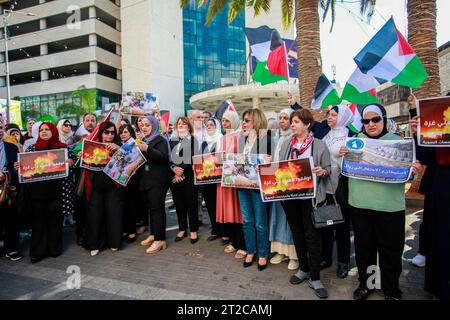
column 326, row 215
column 8, row 192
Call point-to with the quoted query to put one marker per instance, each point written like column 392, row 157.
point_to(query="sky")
column 350, row 34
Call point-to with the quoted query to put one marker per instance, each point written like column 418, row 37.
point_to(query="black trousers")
column 80, row 214
column 210, row 195
column 104, row 219
column 339, row 233
column 46, row 223
column 306, row 237
column 131, row 203
column 185, row 197
column 142, row 211
column 10, row 228
column 423, row 229
column 382, row 233
column 155, row 200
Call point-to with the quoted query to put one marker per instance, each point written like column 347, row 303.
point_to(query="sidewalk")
column 183, row 271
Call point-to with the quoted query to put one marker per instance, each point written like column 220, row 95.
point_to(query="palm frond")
column 328, row 5
column 184, row 3
column 235, row 8
column 287, row 12
column 366, row 7
column 261, row 5
column 214, row 8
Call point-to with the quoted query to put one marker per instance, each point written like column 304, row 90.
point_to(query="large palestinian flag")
column 324, row 94
column 270, row 51
column 388, row 56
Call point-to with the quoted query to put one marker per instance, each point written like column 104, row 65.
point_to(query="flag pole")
column 287, row 64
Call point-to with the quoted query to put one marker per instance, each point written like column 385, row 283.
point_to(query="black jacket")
column 156, row 171
column 180, row 158
column 11, row 156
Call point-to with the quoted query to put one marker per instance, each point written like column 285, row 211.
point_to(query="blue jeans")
column 256, row 226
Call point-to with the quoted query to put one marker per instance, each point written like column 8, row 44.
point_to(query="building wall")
column 152, row 59
column 44, row 83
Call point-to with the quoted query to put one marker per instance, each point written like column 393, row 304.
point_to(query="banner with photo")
column 94, row 155
column 239, row 171
column 387, row 161
column 139, row 103
column 124, row 163
column 434, row 125
column 207, row 168
column 43, row 165
column 287, row 180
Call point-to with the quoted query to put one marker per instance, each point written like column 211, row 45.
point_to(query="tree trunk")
column 308, row 41
column 422, row 37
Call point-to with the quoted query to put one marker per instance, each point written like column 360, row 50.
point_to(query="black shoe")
column 248, row 264
column 193, row 240
column 224, row 242
column 36, row 259
column 261, row 267
column 324, row 265
column 296, row 280
column 362, row 293
column 212, row 237
column 342, row 271
column 181, row 238
column 130, row 240
column 14, row 256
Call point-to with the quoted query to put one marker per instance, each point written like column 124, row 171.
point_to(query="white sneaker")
column 419, row 260
column 94, row 253
column 278, row 258
column 293, row 264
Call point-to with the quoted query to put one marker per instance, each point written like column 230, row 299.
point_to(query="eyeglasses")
column 374, row 120
column 246, row 120
column 109, row 132
column 67, row 125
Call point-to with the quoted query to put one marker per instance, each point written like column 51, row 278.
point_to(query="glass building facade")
column 38, row 106
column 211, row 53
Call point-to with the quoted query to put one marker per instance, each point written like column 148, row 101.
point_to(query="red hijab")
column 53, row 142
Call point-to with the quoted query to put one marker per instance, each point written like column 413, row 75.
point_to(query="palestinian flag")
column 390, row 57
column 359, row 88
column 165, row 115
column 325, row 94
column 227, row 105
column 269, row 49
column 356, row 125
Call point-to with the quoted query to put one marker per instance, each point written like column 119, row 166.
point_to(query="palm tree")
column 308, row 30
column 422, row 37
column 87, row 97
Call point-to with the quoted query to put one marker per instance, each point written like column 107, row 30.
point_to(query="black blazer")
column 156, row 171
column 11, row 156
column 180, row 158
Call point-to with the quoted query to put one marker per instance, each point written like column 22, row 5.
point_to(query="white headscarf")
column 215, row 137
column 233, row 117
column 63, row 137
column 34, row 134
column 287, row 111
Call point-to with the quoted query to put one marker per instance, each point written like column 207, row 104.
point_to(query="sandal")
column 229, row 249
column 240, row 254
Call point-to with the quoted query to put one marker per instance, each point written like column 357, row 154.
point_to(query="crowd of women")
column 107, row 214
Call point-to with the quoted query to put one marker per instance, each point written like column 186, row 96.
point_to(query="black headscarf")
column 383, row 115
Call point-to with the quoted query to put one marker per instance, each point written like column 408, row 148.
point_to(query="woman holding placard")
column 154, row 181
column 378, row 217
column 107, row 202
column 47, row 201
column 255, row 140
column 298, row 212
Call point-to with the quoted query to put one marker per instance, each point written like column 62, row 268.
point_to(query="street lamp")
column 6, row 14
